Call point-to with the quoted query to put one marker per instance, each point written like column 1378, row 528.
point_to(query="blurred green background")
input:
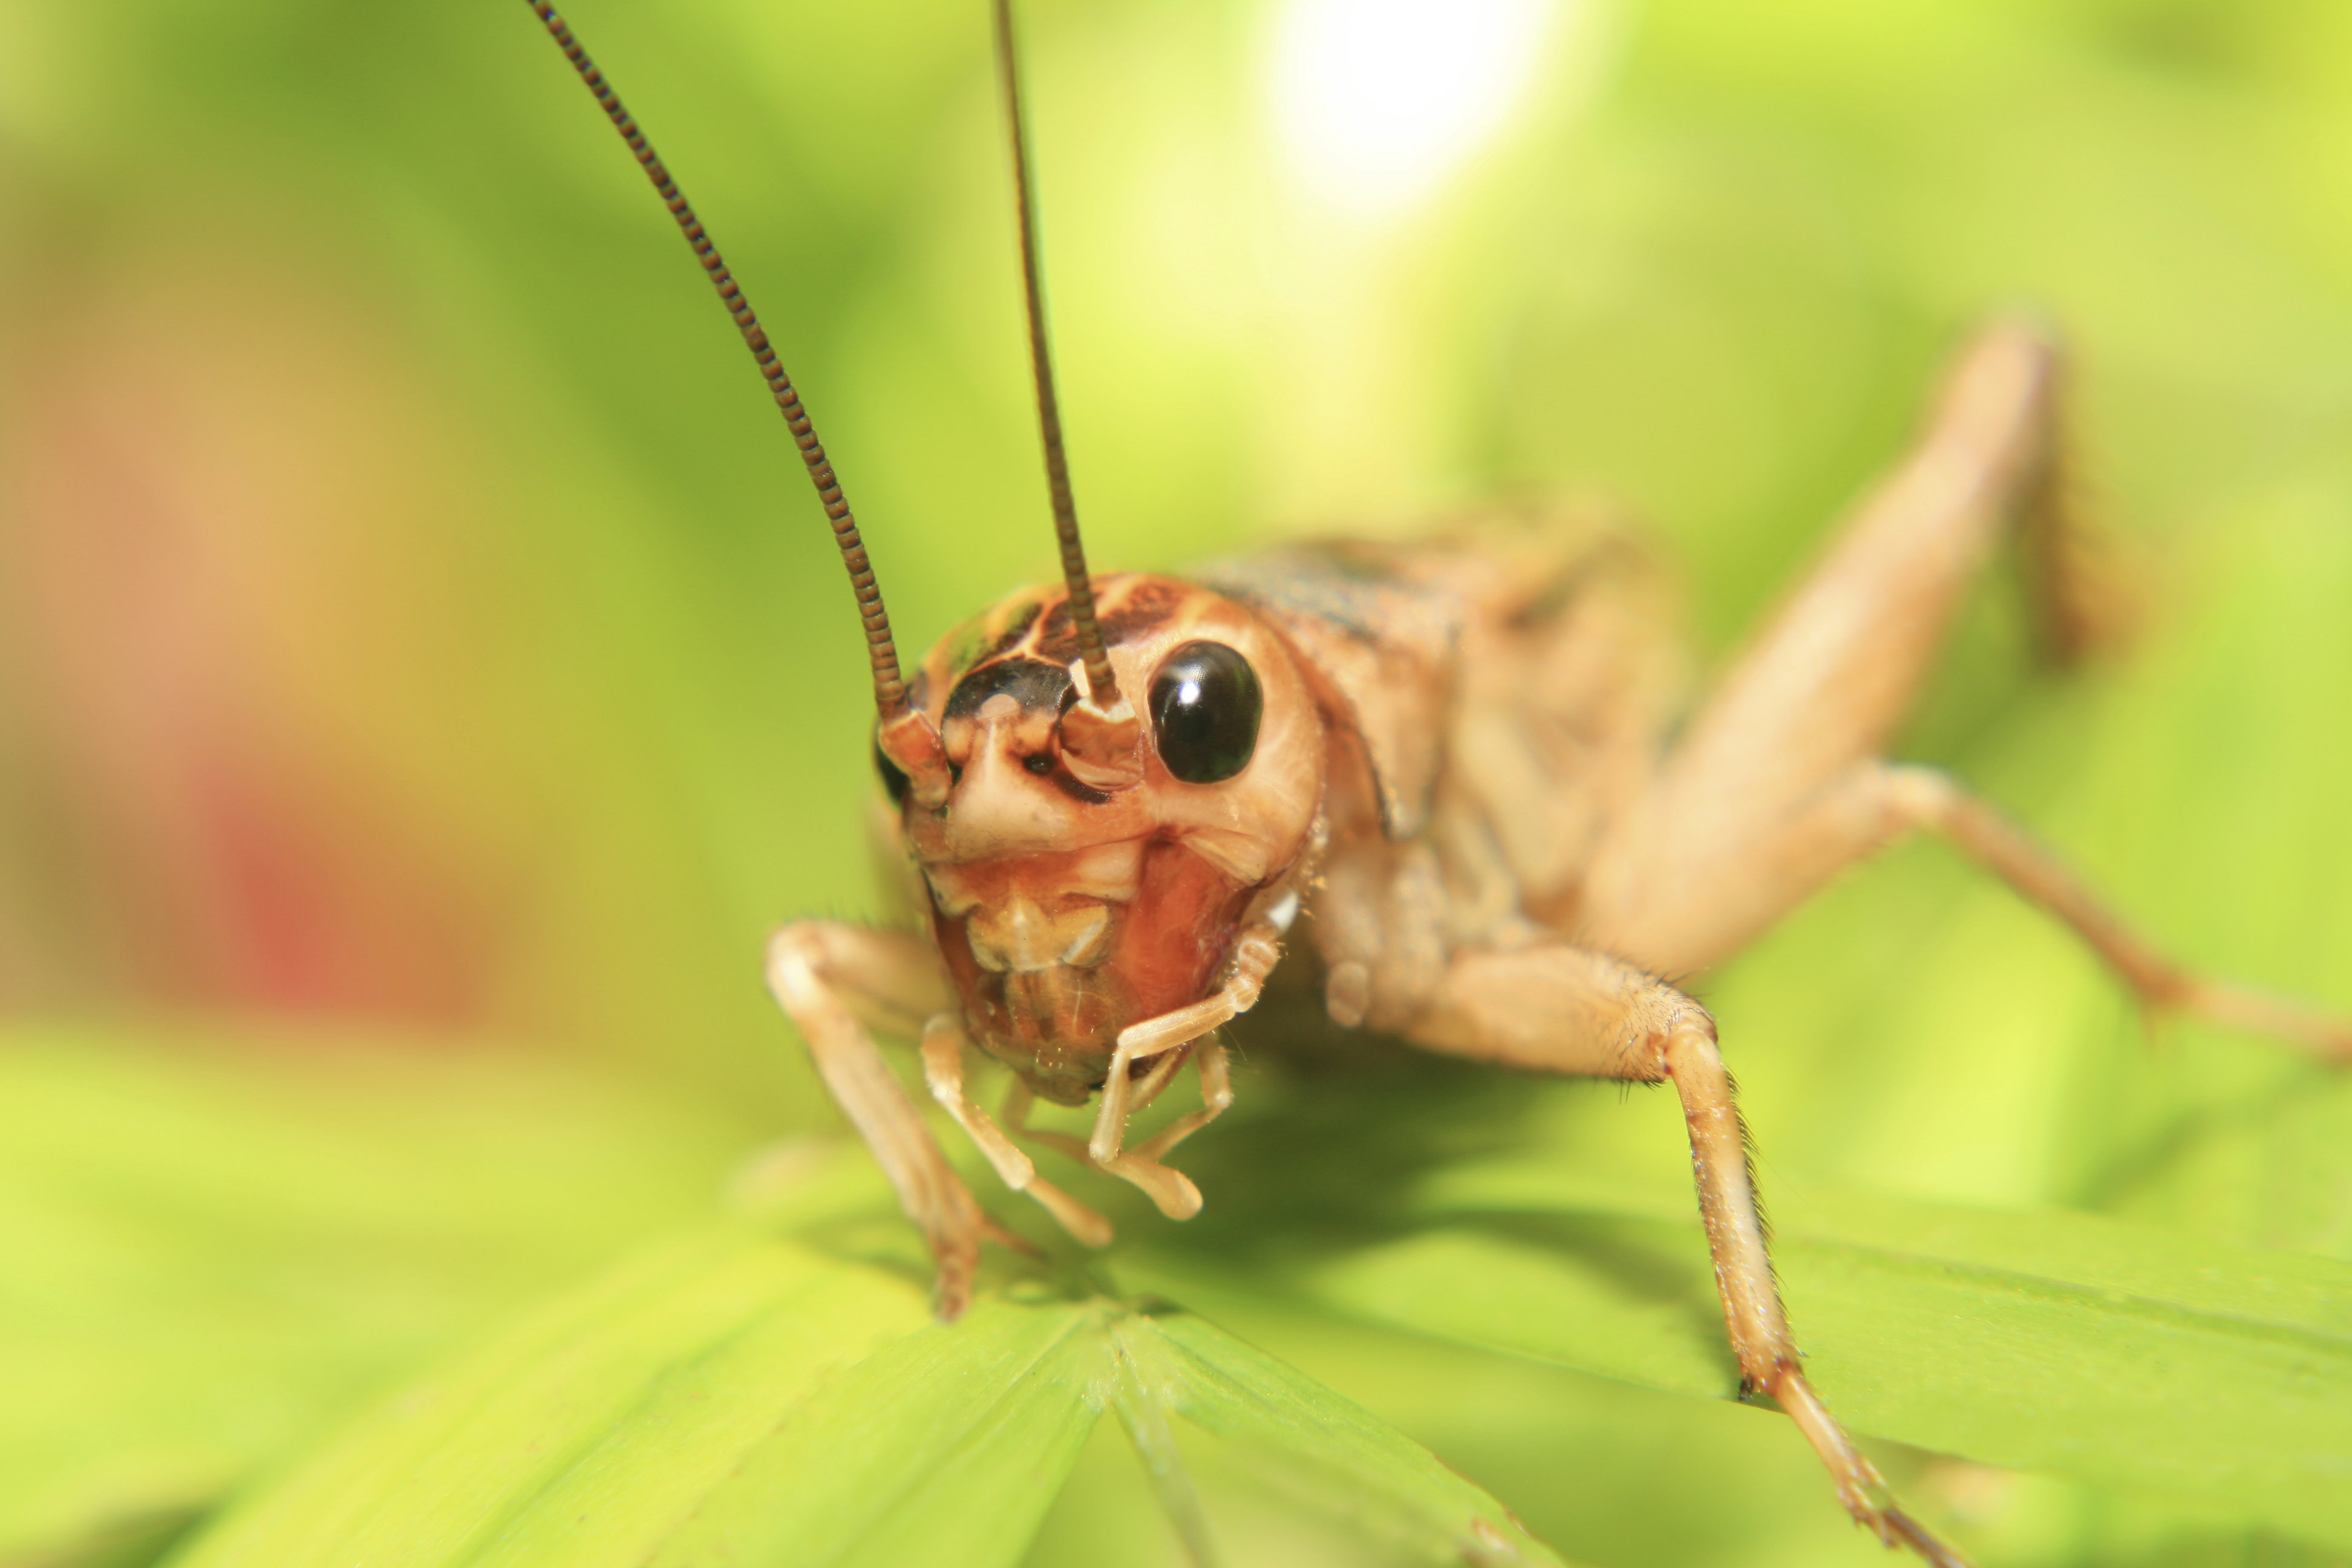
column 420, row 653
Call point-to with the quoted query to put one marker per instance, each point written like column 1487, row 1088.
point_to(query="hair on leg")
column 1759, row 1327
column 1569, row 1010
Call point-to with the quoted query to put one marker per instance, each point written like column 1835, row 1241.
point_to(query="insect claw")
column 1012, row 1242
column 1896, row 1527
column 1874, row 1508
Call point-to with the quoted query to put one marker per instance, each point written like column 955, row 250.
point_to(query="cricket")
column 1443, row 779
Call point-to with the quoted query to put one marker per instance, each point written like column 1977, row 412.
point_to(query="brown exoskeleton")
column 1120, row 795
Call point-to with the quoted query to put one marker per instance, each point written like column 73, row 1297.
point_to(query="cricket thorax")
column 1067, row 912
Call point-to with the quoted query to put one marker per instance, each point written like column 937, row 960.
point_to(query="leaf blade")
column 218, row 1246
column 1390, row 1486
column 2054, row 1341
column 733, row 1396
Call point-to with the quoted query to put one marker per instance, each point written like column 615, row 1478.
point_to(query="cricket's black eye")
column 1205, row 707
column 1038, row 762
column 894, row 779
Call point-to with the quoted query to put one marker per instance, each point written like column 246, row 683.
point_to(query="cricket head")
column 1076, row 888
column 1096, row 780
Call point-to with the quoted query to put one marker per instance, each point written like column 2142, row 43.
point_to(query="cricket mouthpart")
column 1053, row 955
column 1022, row 937
column 1041, row 912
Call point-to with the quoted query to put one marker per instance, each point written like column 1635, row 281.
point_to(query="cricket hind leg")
column 1875, row 804
column 1938, row 802
column 1840, row 661
column 1881, row 802
column 1779, row 785
column 1567, row 1010
column 836, row 981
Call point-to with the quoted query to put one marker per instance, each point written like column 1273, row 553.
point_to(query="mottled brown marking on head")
column 1128, row 607
column 1016, row 851
column 1023, row 616
column 993, row 633
column 1036, row 685
column 1035, row 625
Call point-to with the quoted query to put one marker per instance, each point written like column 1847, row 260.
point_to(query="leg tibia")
column 1727, row 1203
column 1691, row 925
column 1752, row 1313
column 1929, row 799
column 943, row 1048
column 825, row 976
column 1556, row 1008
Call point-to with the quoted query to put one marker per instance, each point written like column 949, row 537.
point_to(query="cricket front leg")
column 1565, row 1010
column 944, row 1042
column 1257, row 950
column 835, row 980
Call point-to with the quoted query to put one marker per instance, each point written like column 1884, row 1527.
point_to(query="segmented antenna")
column 890, row 688
column 1102, row 685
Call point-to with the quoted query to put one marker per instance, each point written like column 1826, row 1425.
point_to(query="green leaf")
column 2045, row 1339
column 657, row 1414
column 555, row 676
column 212, row 1252
column 744, row 1398
column 944, row 1446
column 1342, row 1459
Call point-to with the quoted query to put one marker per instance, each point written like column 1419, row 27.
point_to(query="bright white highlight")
column 1377, row 101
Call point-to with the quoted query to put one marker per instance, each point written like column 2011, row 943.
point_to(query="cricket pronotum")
column 1119, row 794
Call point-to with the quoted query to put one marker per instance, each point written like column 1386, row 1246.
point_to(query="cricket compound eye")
column 1206, row 707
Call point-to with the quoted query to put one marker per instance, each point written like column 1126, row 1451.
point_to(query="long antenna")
column 1102, row 685
column 889, row 686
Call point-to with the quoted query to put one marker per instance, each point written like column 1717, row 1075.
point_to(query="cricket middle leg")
column 1839, row 664
column 1565, row 1010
